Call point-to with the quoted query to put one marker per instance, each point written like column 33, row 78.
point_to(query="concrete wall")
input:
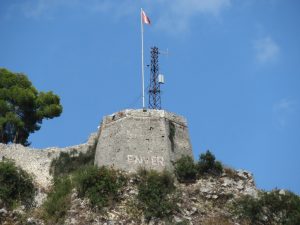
column 132, row 138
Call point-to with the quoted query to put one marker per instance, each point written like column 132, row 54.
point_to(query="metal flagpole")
column 143, row 85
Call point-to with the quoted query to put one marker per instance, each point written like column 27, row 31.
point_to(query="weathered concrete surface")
column 131, row 139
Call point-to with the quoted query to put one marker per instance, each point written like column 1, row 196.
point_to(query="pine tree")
column 23, row 108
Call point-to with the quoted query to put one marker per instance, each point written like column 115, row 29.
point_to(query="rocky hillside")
column 67, row 193
column 197, row 203
column 206, row 201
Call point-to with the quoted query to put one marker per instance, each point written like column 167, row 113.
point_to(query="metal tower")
column 155, row 80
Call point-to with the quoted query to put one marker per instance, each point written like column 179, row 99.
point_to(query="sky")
column 232, row 69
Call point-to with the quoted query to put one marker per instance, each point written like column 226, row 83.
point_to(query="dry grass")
column 231, row 173
column 221, row 221
column 218, row 221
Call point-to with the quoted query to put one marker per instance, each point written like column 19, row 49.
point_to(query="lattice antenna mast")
column 155, row 81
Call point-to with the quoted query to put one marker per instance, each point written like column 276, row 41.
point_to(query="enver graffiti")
column 153, row 160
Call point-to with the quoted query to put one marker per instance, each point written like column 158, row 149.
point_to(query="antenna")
column 156, row 80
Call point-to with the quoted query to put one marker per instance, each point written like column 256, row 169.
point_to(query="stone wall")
column 37, row 161
column 153, row 139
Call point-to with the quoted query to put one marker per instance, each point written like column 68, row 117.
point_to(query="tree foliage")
column 154, row 191
column 101, row 185
column 23, row 108
column 208, row 164
column 186, row 169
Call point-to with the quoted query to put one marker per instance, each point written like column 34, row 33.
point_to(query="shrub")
column 248, row 208
column 154, row 191
column 16, row 185
column 185, row 169
column 208, row 165
column 58, row 201
column 270, row 208
column 101, row 185
column 68, row 162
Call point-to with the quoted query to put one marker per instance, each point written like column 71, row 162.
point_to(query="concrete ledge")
column 153, row 113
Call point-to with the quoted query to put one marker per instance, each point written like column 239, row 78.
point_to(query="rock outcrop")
column 206, row 199
column 205, row 202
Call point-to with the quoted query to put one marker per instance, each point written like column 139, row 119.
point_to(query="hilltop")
column 209, row 199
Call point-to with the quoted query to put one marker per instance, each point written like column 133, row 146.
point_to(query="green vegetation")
column 154, row 194
column 270, row 208
column 186, row 169
column 65, row 169
column 101, row 185
column 58, row 201
column 23, row 108
column 16, row 186
column 208, row 165
column 68, row 162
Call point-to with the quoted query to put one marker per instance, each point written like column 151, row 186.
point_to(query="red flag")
column 145, row 18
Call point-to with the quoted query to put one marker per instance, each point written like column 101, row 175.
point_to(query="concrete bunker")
column 152, row 139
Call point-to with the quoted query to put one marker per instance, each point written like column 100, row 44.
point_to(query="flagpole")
column 143, row 85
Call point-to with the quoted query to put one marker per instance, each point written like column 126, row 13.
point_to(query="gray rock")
column 282, row 192
column 34, row 221
column 3, row 211
column 244, row 174
column 177, row 219
column 240, row 185
column 214, row 196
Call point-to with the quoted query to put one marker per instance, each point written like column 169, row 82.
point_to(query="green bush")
column 271, row 207
column 68, row 162
column 16, row 185
column 154, row 191
column 58, row 201
column 101, row 185
column 248, row 208
column 186, row 169
column 208, row 165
